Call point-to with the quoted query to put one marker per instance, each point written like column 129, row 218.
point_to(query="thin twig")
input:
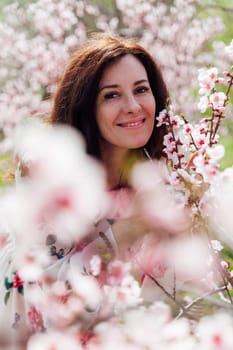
column 166, row 292
column 220, row 116
column 200, row 298
column 174, row 284
column 175, row 140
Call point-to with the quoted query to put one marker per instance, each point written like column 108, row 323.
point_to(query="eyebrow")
column 113, row 86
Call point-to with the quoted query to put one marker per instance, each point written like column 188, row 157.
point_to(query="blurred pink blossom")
column 54, row 340
column 157, row 204
column 215, row 332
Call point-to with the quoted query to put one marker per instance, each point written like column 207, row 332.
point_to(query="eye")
column 142, row 89
column 111, row 95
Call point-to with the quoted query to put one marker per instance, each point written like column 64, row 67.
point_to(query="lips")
column 133, row 123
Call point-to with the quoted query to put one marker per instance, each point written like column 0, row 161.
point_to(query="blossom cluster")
column 157, row 330
column 186, row 143
column 37, row 39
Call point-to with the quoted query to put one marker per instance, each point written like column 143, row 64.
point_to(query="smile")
column 135, row 124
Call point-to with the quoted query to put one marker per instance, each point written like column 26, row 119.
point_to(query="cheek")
column 105, row 115
column 104, row 121
column 149, row 105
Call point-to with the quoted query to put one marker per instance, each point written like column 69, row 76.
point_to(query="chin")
column 139, row 144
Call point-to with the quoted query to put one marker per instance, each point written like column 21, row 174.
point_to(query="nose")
column 131, row 105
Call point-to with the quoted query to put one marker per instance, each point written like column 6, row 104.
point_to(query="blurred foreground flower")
column 58, row 194
column 217, row 203
column 159, row 208
column 54, row 340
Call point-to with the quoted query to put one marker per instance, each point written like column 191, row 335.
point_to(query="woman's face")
column 125, row 105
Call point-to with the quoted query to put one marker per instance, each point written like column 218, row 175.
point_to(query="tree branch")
column 200, row 298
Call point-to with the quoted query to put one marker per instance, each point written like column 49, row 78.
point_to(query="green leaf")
column 8, row 284
column 7, row 296
column 20, row 290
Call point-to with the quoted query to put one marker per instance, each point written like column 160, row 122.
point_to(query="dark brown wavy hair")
column 75, row 97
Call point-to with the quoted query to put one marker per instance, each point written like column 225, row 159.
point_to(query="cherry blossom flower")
column 215, row 152
column 154, row 195
column 117, row 270
column 203, row 104
column 126, row 294
column 163, row 117
column 215, row 332
column 54, row 340
column 59, row 196
column 218, row 100
column 216, row 204
column 188, row 256
column 207, row 79
column 87, row 288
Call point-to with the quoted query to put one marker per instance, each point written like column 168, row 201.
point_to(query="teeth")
column 133, row 124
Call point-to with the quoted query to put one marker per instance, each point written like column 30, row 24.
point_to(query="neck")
column 118, row 163
column 113, row 160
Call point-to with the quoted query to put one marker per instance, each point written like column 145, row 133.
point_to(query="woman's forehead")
column 126, row 67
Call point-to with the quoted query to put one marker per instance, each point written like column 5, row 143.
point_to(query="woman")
column 111, row 91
